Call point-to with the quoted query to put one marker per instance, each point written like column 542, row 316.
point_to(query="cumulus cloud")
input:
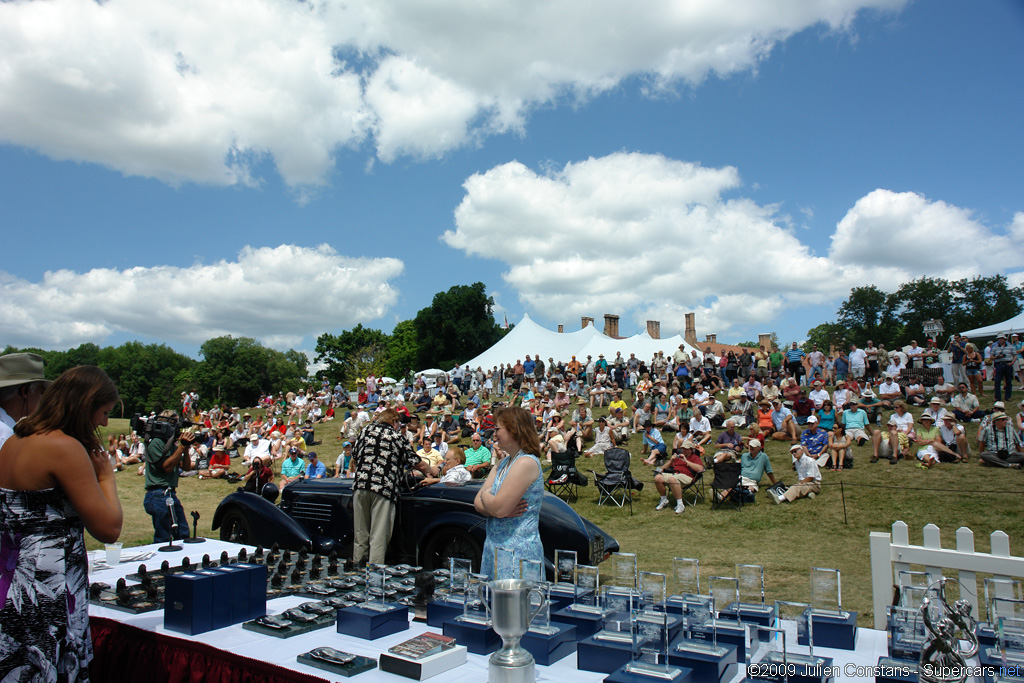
column 276, row 294
column 199, row 91
column 661, row 237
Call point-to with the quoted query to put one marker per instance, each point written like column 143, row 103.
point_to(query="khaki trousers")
column 801, row 490
column 374, row 519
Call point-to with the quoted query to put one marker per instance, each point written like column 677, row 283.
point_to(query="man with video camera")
column 167, row 448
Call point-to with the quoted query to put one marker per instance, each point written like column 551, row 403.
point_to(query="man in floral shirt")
column 380, row 458
column 813, row 439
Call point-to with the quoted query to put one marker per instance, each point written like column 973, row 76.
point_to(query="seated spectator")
column 928, row 436
column 952, row 443
column 826, row 415
column 430, row 455
column 841, row 397
column 422, row 402
column 257, row 448
column 896, row 442
column 653, row 443
column 449, row 428
column 315, row 469
column 700, row 429
column 744, row 412
column 813, row 439
column 936, row 410
column 1000, row 444
column 343, row 467
column 818, row 395
column 603, row 439
column 944, row 390
column 292, row 468
column 965, row 405
column 783, row 424
column 764, row 417
column 677, row 473
column 259, row 474
column 803, row 408
column 581, row 422
column 915, row 393
column 478, row 457
column 729, row 441
column 714, row 411
column 889, row 391
column 807, row 473
column 754, row 464
column 839, row 447
column 619, row 425
column 871, row 405
column 855, row 422
column 769, row 390
column 218, row 465
column 735, row 392
column 752, row 388
column 453, row 472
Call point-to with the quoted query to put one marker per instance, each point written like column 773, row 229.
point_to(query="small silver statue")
column 943, row 658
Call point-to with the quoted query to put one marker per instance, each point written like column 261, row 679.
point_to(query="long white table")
column 871, row 644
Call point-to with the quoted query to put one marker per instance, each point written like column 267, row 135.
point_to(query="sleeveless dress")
column 520, row 534
column 44, row 623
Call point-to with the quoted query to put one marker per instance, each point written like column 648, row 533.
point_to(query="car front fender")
column 270, row 525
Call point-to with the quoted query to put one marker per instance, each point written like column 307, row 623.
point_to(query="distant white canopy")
column 1006, row 327
column 530, row 338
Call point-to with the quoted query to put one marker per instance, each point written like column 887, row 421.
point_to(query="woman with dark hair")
column 511, row 497
column 55, row 478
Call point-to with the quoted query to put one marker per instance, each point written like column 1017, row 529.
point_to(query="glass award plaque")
column 766, row 653
column 649, row 653
column 794, row 618
column 586, row 597
column 531, row 570
column 458, row 578
column 701, row 628
column 725, row 591
column 1009, row 589
column 505, row 565
column 565, row 566
column 624, row 569
column 751, row 584
column 685, row 576
column 376, row 586
column 906, row 632
column 653, row 591
column 827, row 592
column 541, row 622
column 619, row 606
column 474, row 611
column 1010, row 635
column 913, row 588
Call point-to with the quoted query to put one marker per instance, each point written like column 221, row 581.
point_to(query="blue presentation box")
column 834, row 631
column 586, row 623
column 480, row 639
column 256, row 575
column 369, row 624
column 986, row 634
column 440, row 611
column 620, row 675
column 220, row 607
column 728, row 633
column 188, row 598
column 237, row 592
column 602, row 656
column 549, row 648
column 706, row 666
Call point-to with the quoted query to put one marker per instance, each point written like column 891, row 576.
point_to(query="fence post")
column 932, row 541
column 968, row 579
column 881, row 575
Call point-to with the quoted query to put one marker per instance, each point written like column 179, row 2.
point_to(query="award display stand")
column 708, row 663
column 833, row 626
column 376, row 617
column 473, row 627
column 548, row 642
column 700, row 648
column 649, row 652
column 585, row 612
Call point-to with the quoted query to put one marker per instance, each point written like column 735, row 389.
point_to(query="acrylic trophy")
column 565, row 566
column 474, row 606
column 766, row 657
column 586, row 598
column 649, row 658
column 619, row 605
column 624, row 569
column 751, row 606
column 701, row 628
column 794, row 618
column 826, row 593
column 685, row 576
column 653, row 591
column 505, row 565
column 376, row 589
column 1007, row 589
column 540, row 600
column 913, row 587
column 1011, row 613
column 458, row 579
column 906, row 633
column 725, row 591
column 1010, row 634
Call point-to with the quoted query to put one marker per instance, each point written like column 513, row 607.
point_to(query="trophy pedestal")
column 676, row 604
column 440, row 611
column 479, row 638
column 562, row 595
column 548, row 648
column 706, row 665
column 761, row 615
column 896, row 671
column 603, row 656
column 525, row 673
column 620, row 675
column 839, row 632
column 586, row 623
column 368, row 624
column 986, row 634
column 728, row 633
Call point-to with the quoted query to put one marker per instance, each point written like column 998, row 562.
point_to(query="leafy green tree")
column 982, row 301
column 749, row 344
column 826, row 336
column 402, row 349
column 144, row 374
column 237, row 371
column 458, row 325
column 342, row 353
column 868, row 314
column 917, row 301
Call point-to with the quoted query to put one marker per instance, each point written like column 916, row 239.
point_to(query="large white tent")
column 1006, row 327
column 530, row 338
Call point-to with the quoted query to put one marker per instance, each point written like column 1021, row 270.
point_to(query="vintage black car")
column 433, row 523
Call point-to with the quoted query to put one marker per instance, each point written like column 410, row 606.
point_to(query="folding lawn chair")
column 564, row 479
column 617, row 483
column 727, row 478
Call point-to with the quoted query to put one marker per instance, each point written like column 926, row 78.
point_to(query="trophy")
column 913, row 587
column 826, row 593
column 505, row 565
column 906, row 632
column 649, row 652
column 474, row 607
column 540, row 599
column 751, row 585
column 510, row 616
column 1010, row 633
column 766, row 653
column 624, row 569
column 586, row 598
column 458, row 579
column 376, row 587
column 794, row 619
column 619, row 605
column 565, row 566
column 1000, row 588
column 701, row 627
column 653, row 592
column 725, row 592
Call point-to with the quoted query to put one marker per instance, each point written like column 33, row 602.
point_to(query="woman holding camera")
column 55, row 479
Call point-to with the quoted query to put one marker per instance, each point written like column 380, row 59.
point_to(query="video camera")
column 166, row 429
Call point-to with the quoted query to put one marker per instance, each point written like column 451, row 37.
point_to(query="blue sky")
column 279, row 169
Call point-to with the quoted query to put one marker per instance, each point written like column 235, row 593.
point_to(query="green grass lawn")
column 787, row 539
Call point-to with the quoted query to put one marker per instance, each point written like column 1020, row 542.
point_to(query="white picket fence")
column 892, row 553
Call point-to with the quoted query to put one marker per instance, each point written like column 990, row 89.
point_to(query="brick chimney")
column 611, row 325
column 586, row 320
column 765, row 340
column 561, row 329
column 654, row 329
column 711, row 339
column 690, row 334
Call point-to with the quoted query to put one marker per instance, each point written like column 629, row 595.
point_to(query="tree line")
column 898, row 317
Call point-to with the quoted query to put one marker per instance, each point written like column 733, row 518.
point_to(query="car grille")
column 314, row 512
column 596, row 549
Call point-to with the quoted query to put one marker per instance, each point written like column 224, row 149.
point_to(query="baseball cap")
column 811, row 418
column 754, row 443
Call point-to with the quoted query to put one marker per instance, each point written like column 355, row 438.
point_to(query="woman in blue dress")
column 511, row 497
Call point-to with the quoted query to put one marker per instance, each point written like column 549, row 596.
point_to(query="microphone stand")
column 170, row 547
column 195, row 526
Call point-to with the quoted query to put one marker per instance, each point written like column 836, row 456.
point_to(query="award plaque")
column 624, row 569
column 649, row 657
column 619, row 605
column 826, row 592
column 701, row 628
column 505, row 565
column 765, row 648
column 653, row 591
column 725, row 592
column 474, row 608
column 794, row 619
column 751, row 605
column 685, row 576
column 531, row 570
column 458, row 579
column 913, row 588
column 541, row 622
column 376, row 587
column 586, row 597
column 565, row 566
column 905, row 632
column 1008, row 589
column 1010, row 634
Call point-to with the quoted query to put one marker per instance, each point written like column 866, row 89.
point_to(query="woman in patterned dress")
column 511, row 497
column 55, row 478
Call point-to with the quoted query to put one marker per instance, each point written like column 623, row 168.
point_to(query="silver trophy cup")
column 509, row 608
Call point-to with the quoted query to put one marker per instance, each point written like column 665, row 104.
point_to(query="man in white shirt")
column 21, row 386
column 257, row 447
column 889, row 391
column 818, row 395
column 954, row 447
column 807, row 474
column 915, row 355
column 817, row 360
column 858, row 362
column 700, row 428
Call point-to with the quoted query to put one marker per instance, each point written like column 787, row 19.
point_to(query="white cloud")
column 659, row 237
column 279, row 295
column 202, row 91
